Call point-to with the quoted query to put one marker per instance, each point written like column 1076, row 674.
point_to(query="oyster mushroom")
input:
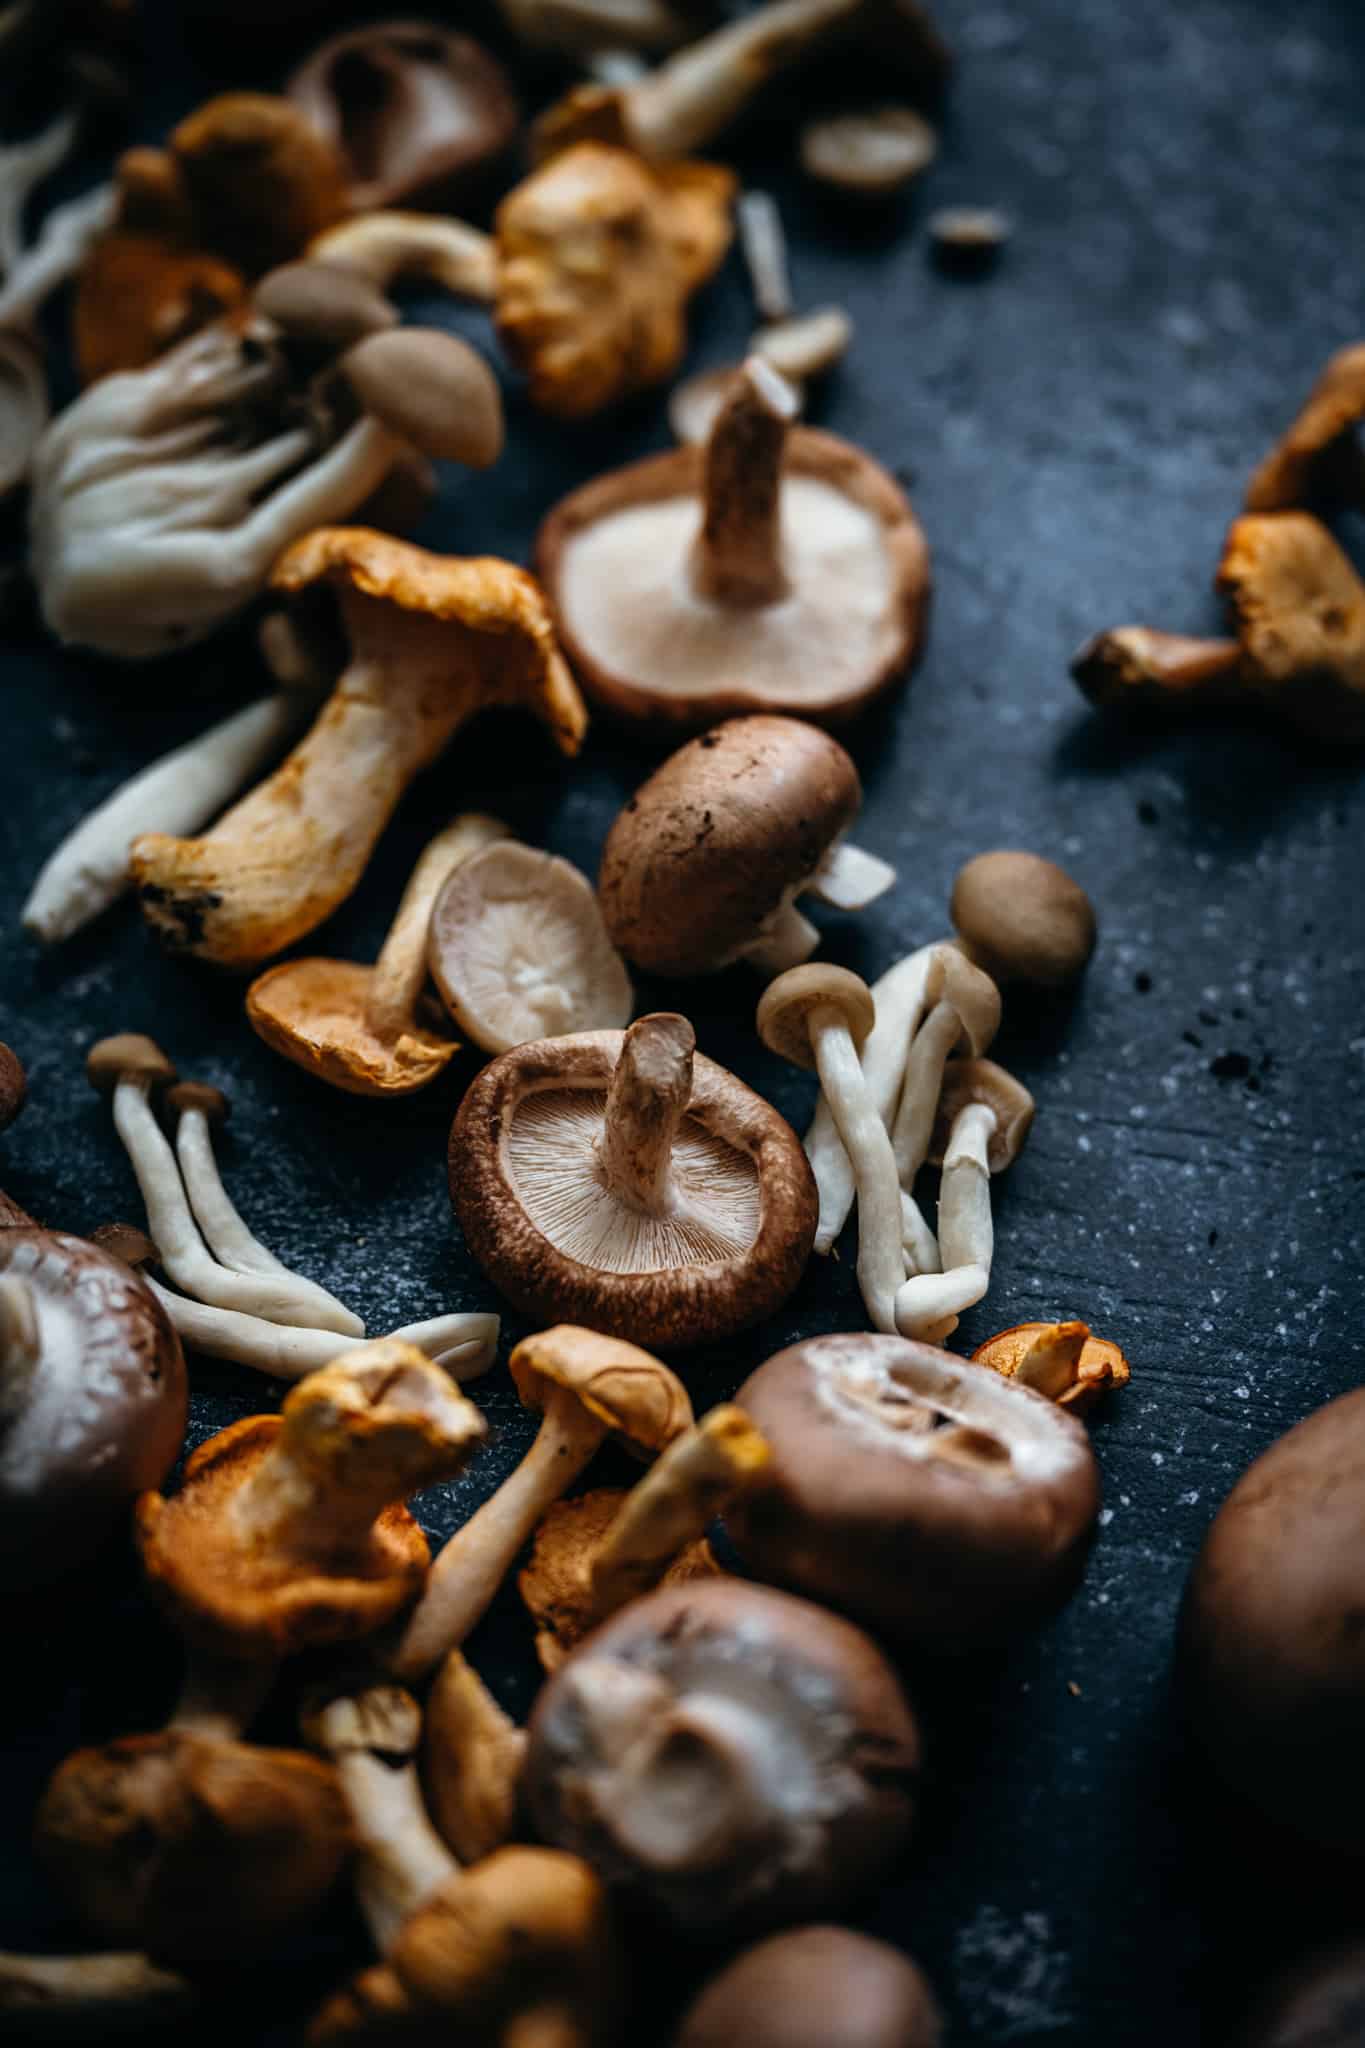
column 598, row 254
column 357, row 1028
column 585, row 1386
column 323, row 306
column 1062, row 1360
column 389, row 247
column 824, row 1984
column 1317, row 457
column 623, row 1181
column 433, row 640
column 1022, row 919
column 730, row 1756
column 776, row 569
column 518, row 949
column 703, row 865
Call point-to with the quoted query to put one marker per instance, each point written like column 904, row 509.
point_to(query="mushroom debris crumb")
column 824, row 1984
column 518, row 949
column 598, row 255
column 704, row 864
column 937, row 1503
column 1317, row 458
column 1023, row 920
column 1062, row 1360
column 623, row 1181
column 432, row 641
column 586, row 1387
column 868, row 155
column 777, row 568
column 969, row 237
column 472, row 1759
column 359, row 1028
column 710, row 1751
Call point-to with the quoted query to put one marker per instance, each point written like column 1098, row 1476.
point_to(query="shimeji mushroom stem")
column 921, row 1248
column 648, row 1097
column 737, row 559
column 20, row 1343
column 401, row 969
column 63, row 240
column 119, row 1979
column 881, row 1260
column 925, row 1061
column 478, row 1557
column 389, row 245
column 689, row 100
column 765, row 254
column 462, row 1344
column 850, row 878
column 965, row 1233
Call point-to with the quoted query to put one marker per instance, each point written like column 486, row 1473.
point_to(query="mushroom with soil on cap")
column 776, row 569
column 729, row 1756
column 1022, row 919
column 433, row 640
column 518, row 949
column 586, row 1387
column 815, row 1984
column 578, row 1576
column 1317, row 457
column 420, row 114
column 703, row 865
column 358, row 1028
column 1062, row 1360
column 623, row 1181
column 935, row 1502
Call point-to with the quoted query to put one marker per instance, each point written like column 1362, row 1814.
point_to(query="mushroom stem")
column 1051, row 1364
column 118, row 1978
column 965, row 1233
column 850, row 879
column 20, row 1344
column 881, row 1260
column 788, row 940
column 65, row 236
column 765, row 254
column 401, row 969
column 473, row 1755
column 23, row 166
column 389, row 245
column 478, row 1557
column 929, row 1304
column 921, row 1248
column 924, row 1065
column 462, row 1344
column 688, row 100
column 646, row 1102
column 738, row 555
column 1142, row 666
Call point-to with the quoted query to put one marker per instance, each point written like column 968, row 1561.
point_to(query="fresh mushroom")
column 584, row 28
column 323, row 306
column 419, row 114
column 815, row 1984
column 820, row 1016
column 433, row 639
column 703, row 865
column 776, row 569
column 105, row 1991
column 868, row 155
column 961, row 1013
column 968, row 238
column 934, row 1502
column 518, row 949
column 1300, row 612
column 623, row 1181
column 764, row 243
column 260, row 179
column 570, row 1585
column 1062, row 1360
column 358, row 1028
column 1316, row 457
column 727, row 1755
column 472, row 1758
column 389, row 247
column 1140, row 669
column 1022, row 919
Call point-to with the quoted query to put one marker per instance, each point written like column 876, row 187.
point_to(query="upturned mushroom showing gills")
column 1062, row 1360
column 623, row 1181
column 934, row 1502
column 433, row 640
column 775, row 569
column 824, row 1985
column 730, row 1756
column 703, row 865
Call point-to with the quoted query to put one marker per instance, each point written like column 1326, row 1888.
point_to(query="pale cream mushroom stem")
column 929, row 1304
column 400, row 972
column 764, row 244
column 651, row 1086
column 388, row 245
column 463, row 1344
column 965, row 1008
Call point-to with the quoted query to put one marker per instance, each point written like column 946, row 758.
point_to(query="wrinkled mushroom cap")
column 1300, row 610
column 969, row 1081
column 710, row 848
column 1295, row 471
column 931, row 1500
column 260, row 178
column 815, row 1984
column 314, row 1012
column 954, row 979
column 613, row 556
column 432, row 390
column 1093, row 1363
column 627, row 1390
column 539, row 1219
column 788, row 1005
column 1023, row 919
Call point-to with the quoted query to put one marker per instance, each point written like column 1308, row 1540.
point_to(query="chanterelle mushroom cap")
column 1300, row 611
column 730, row 1755
column 1307, row 461
column 1021, row 918
column 620, row 1384
column 1062, row 1360
column 289, row 1530
column 968, row 1081
column 556, row 1585
column 620, row 1181
column 815, row 1984
column 930, row 1499
column 711, row 849
column 775, row 569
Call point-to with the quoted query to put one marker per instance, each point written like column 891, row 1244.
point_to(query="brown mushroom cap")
column 1097, row 1363
column 1023, row 919
column 210, row 1102
column 323, row 304
column 1306, row 461
column 968, row 1081
column 261, row 180
column 632, row 1393
column 552, row 1236
column 1320, row 2003
column 94, row 1415
column 649, row 650
column 13, row 1086
column 815, row 1987
column 955, row 979
column 199, row 1851
column 1271, row 1655
column 709, row 849
column 432, row 390
column 927, row 1498
column 128, row 1054
column 729, row 1755
column 786, row 1006
column 1300, row 610
column 417, row 112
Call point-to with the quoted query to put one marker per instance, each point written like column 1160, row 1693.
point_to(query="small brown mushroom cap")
column 654, row 1751
column 707, row 851
column 197, row 1850
column 432, row 390
column 786, row 1007
column 1092, row 1364
column 1023, row 919
column 13, row 1086
column 128, row 1054
column 1300, row 610
column 624, row 1387
column 210, row 1102
column 260, row 178
column 969, row 1081
column 929, row 1499
column 955, row 979
column 314, row 1012
column 323, row 304
column 816, row 1985
column 1306, row 462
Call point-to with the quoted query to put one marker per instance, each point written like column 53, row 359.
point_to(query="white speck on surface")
column 1011, row 1978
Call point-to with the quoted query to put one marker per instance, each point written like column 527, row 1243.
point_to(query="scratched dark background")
column 1075, row 427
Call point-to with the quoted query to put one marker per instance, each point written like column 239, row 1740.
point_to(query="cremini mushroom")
column 824, row 1984
column 1317, row 457
column 703, row 865
column 1300, row 612
column 391, row 247
column 868, row 155
column 586, row 1386
column 598, row 254
column 1062, row 1360
column 819, row 1016
column 1022, row 919
column 777, row 569
column 961, row 1013
column 420, row 114
column 934, row 1502
column 1140, row 669
column 574, row 1581
column 433, row 639
column 358, row 1028
column 472, row 1758
column 623, row 1181
column 518, row 949
column 729, row 1756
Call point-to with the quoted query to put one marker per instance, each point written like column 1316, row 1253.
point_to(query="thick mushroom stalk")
column 646, row 1102
column 1140, row 668
column 472, row 1758
column 433, row 641
column 738, row 556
